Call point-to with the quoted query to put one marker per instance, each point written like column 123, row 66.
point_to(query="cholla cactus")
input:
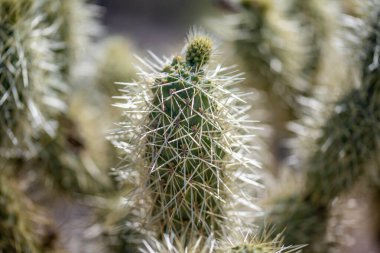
column 240, row 244
column 274, row 56
column 347, row 144
column 271, row 47
column 33, row 89
column 115, row 65
column 23, row 228
column 185, row 133
column 29, row 78
column 66, row 164
column 301, row 220
column 77, row 22
column 318, row 21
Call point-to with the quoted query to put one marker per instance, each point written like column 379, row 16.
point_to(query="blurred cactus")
column 115, row 65
column 272, row 49
column 318, row 21
column 347, row 143
column 29, row 78
column 246, row 244
column 35, row 86
column 301, row 220
column 23, row 228
column 185, row 135
column 66, row 164
column 77, row 20
column 274, row 56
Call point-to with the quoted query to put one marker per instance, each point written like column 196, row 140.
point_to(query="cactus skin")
column 23, row 228
column 29, row 78
column 187, row 140
column 347, row 145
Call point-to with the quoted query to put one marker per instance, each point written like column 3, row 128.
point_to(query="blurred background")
column 155, row 25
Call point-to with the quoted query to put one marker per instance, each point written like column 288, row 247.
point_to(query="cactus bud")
column 198, row 51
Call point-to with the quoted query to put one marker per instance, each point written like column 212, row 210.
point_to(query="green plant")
column 317, row 21
column 115, row 65
column 65, row 163
column 185, row 134
column 23, row 226
column 346, row 146
column 29, row 78
column 273, row 53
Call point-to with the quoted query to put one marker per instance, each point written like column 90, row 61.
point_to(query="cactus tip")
column 198, row 51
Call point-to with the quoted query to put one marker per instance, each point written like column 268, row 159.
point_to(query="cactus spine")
column 187, row 128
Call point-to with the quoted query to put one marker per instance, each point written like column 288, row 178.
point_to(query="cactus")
column 301, row 220
column 273, row 55
column 346, row 146
column 318, row 21
column 65, row 163
column 115, row 65
column 23, row 228
column 185, row 134
column 271, row 48
column 172, row 244
column 33, row 91
column 30, row 82
column 77, row 22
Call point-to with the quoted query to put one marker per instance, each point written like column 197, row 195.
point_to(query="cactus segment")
column 30, row 82
column 188, row 131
